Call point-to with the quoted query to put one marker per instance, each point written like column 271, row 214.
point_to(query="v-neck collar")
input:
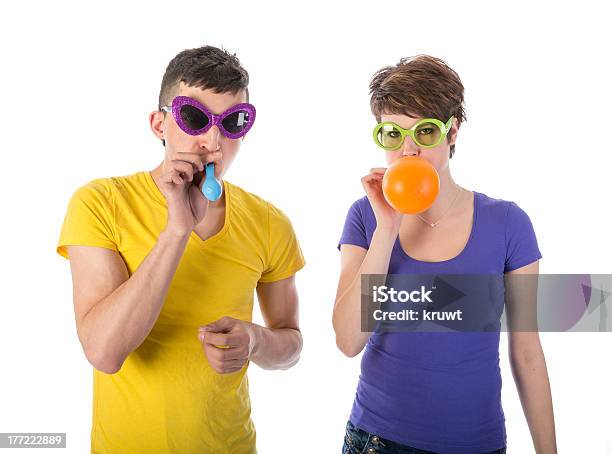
column 227, row 189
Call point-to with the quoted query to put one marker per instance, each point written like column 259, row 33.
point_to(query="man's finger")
column 223, row 325
column 221, row 340
column 194, row 158
column 226, row 354
column 231, row 366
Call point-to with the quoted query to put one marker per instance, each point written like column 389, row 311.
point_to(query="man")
column 164, row 278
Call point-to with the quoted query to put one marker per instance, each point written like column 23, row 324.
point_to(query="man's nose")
column 210, row 139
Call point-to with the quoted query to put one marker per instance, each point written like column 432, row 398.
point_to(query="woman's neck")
column 449, row 198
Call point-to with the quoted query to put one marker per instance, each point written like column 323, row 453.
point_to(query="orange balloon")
column 411, row 184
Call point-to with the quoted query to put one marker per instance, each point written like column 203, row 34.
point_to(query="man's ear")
column 156, row 122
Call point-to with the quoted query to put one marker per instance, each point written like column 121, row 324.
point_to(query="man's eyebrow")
column 208, row 107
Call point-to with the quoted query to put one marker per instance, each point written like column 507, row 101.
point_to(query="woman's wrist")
column 385, row 235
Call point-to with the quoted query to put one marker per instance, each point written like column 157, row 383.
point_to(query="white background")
column 79, row 80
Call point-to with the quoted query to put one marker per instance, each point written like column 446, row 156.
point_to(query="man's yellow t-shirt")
column 166, row 398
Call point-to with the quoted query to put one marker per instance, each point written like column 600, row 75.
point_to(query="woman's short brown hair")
column 420, row 87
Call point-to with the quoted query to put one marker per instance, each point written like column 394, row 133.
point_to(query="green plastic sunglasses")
column 426, row 133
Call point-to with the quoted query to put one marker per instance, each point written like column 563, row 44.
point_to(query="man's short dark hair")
column 206, row 67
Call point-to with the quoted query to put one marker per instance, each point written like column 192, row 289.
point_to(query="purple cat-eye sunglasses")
column 194, row 118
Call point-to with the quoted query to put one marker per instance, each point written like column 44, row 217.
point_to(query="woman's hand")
column 386, row 216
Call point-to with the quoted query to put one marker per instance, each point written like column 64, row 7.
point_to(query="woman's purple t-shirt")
column 441, row 391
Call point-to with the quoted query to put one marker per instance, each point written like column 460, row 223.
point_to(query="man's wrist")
column 173, row 236
column 255, row 335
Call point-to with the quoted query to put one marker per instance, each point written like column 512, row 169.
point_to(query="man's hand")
column 228, row 343
column 181, row 182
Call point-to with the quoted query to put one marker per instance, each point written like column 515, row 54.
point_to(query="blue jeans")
column 357, row 441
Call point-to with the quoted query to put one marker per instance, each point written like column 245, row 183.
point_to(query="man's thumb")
column 222, row 325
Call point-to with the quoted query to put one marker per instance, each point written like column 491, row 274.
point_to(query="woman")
column 422, row 392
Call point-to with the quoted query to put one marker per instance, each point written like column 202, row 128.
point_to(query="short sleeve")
column 89, row 219
column 521, row 242
column 354, row 231
column 285, row 256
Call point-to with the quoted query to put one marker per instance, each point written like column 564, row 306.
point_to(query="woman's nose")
column 409, row 148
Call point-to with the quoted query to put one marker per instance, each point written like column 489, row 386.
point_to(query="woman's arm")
column 356, row 261
column 528, row 367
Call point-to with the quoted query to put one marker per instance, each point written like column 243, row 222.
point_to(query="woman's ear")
column 452, row 134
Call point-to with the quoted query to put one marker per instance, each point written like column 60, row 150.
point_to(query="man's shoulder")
column 109, row 186
column 254, row 204
column 123, row 182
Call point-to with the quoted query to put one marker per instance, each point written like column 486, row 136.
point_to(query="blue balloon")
column 211, row 188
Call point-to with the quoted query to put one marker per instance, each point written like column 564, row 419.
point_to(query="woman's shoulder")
column 361, row 210
column 499, row 208
column 488, row 201
column 362, row 204
column 521, row 242
column 359, row 224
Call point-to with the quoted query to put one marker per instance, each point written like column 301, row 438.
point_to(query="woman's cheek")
column 391, row 157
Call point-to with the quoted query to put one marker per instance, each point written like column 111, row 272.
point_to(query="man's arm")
column 115, row 313
column 528, row 367
column 279, row 343
column 229, row 343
